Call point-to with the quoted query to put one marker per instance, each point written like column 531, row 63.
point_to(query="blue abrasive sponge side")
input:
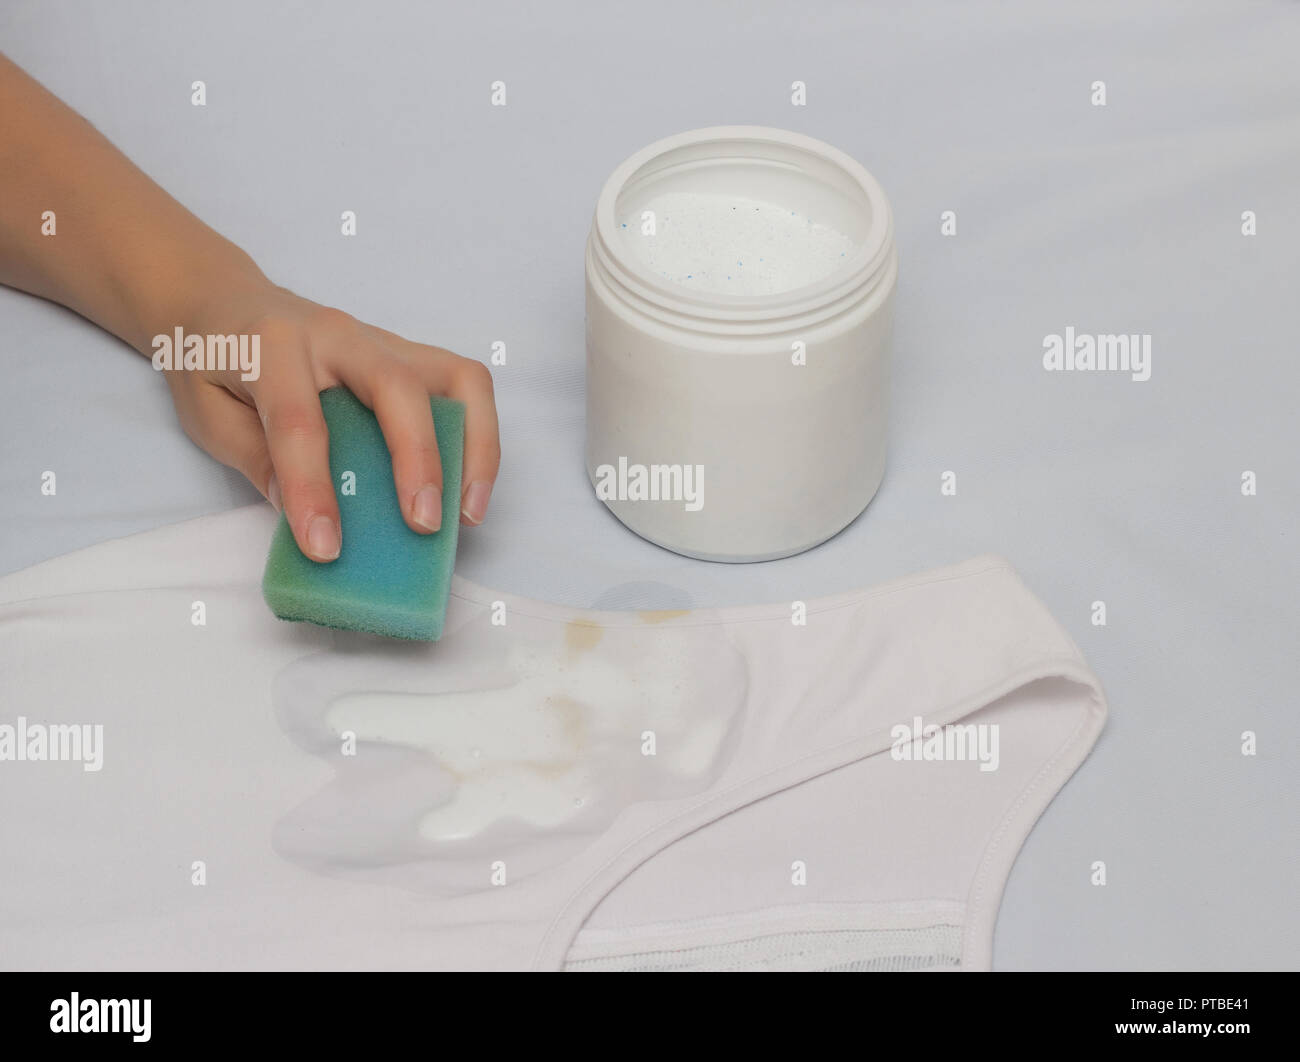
column 387, row 578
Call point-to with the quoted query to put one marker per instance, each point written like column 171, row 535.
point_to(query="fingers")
column 471, row 382
column 400, row 402
column 272, row 428
column 298, row 445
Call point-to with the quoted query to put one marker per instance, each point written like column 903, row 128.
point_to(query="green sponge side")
column 387, row 579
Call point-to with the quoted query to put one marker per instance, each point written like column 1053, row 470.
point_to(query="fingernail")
column 323, row 538
column 426, row 510
column 273, row 494
column 474, row 505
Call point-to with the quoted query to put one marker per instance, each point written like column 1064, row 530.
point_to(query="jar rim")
column 865, row 268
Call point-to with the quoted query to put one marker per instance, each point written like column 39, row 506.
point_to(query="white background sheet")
column 471, row 224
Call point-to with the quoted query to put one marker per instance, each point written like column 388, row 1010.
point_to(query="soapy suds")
column 527, row 739
column 535, row 751
column 733, row 245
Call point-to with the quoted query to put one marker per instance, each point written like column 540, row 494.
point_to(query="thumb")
column 231, row 432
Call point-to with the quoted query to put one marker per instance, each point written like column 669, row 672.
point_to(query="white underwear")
column 544, row 788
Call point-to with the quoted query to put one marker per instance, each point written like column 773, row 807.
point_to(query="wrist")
column 196, row 295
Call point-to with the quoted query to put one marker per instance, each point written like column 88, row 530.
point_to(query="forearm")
column 124, row 254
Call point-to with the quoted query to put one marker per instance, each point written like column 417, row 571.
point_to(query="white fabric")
column 771, row 808
column 931, row 948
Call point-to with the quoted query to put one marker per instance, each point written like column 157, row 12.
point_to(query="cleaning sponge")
column 387, row 579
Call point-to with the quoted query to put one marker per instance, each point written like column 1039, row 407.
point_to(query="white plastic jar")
column 738, row 413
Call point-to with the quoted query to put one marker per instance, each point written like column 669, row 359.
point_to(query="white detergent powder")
column 733, row 245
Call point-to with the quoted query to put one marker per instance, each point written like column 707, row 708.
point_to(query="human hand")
column 272, row 430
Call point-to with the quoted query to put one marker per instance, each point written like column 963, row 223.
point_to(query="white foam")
column 564, row 737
